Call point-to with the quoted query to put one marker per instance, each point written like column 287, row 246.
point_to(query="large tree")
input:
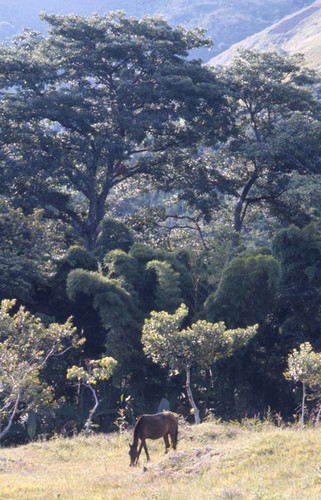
column 277, row 132
column 97, row 101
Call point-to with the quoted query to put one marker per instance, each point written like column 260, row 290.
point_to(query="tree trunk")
column 13, row 414
column 91, row 224
column 190, row 396
column 318, row 416
column 91, row 414
column 90, row 235
column 241, row 206
column 303, row 404
column 209, row 386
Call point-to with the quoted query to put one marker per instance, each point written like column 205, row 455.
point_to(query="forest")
column 160, row 238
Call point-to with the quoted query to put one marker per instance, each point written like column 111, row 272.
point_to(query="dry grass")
column 213, row 461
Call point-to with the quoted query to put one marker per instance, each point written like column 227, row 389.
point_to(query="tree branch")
column 13, row 414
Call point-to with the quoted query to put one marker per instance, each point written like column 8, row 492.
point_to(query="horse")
column 159, row 425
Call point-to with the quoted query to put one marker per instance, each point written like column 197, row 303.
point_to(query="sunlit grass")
column 213, row 461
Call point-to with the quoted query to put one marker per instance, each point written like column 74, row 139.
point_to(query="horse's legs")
column 142, row 443
column 145, row 448
column 174, row 439
column 139, row 450
column 166, row 440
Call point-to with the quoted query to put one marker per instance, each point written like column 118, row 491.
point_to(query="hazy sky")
column 15, row 14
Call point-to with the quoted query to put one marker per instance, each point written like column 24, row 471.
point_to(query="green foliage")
column 278, row 124
column 156, row 279
column 246, row 291
column 109, row 298
column 115, row 308
column 96, row 369
column 104, row 106
column 303, row 364
column 299, row 253
column 225, row 22
column 161, row 338
column 123, row 267
column 277, row 131
column 29, row 248
column 168, row 293
column 135, row 283
column 284, row 90
column 78, row 257
column 203, row 343
column 57, row 304
column 25, row 347
column 286, row 303
column 113, row 235
column 97, row 101
column 301, row 203
column 143, row 253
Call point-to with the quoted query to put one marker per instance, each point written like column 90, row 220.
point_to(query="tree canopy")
column 201, row 344
column 97, row 101
column 276, row 132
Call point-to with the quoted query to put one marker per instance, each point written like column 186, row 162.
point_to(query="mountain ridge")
column 299, row 32
column 226, row 22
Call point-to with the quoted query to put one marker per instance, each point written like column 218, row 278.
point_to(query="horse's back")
column 155, row 426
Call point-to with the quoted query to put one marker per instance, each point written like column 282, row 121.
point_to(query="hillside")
column 227, row 22
column 297, row 33
column 217, row 461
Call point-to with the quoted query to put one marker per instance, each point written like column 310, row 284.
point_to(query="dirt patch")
column 183, row 463
column 5, row 464
column 206, row 436
column 9, row 465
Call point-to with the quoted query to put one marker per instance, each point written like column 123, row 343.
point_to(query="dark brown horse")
column 160, row 425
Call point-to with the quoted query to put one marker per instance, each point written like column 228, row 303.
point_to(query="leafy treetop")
column 97, row 101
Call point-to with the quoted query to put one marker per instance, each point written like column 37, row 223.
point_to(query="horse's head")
column 133, row 454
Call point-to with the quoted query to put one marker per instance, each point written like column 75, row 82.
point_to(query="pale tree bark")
column 303, row 404
column 91, row 414
column 13, row 414
column 318, row 416
column 190, row 395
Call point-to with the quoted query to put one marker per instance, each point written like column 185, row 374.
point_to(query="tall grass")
column 213, row 461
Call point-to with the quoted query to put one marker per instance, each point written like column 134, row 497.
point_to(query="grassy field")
column 213, row 461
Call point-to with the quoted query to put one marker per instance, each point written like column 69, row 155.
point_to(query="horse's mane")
column 137, row 428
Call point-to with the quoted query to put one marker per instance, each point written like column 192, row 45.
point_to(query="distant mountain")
column 227, row 21
column 296, row 33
